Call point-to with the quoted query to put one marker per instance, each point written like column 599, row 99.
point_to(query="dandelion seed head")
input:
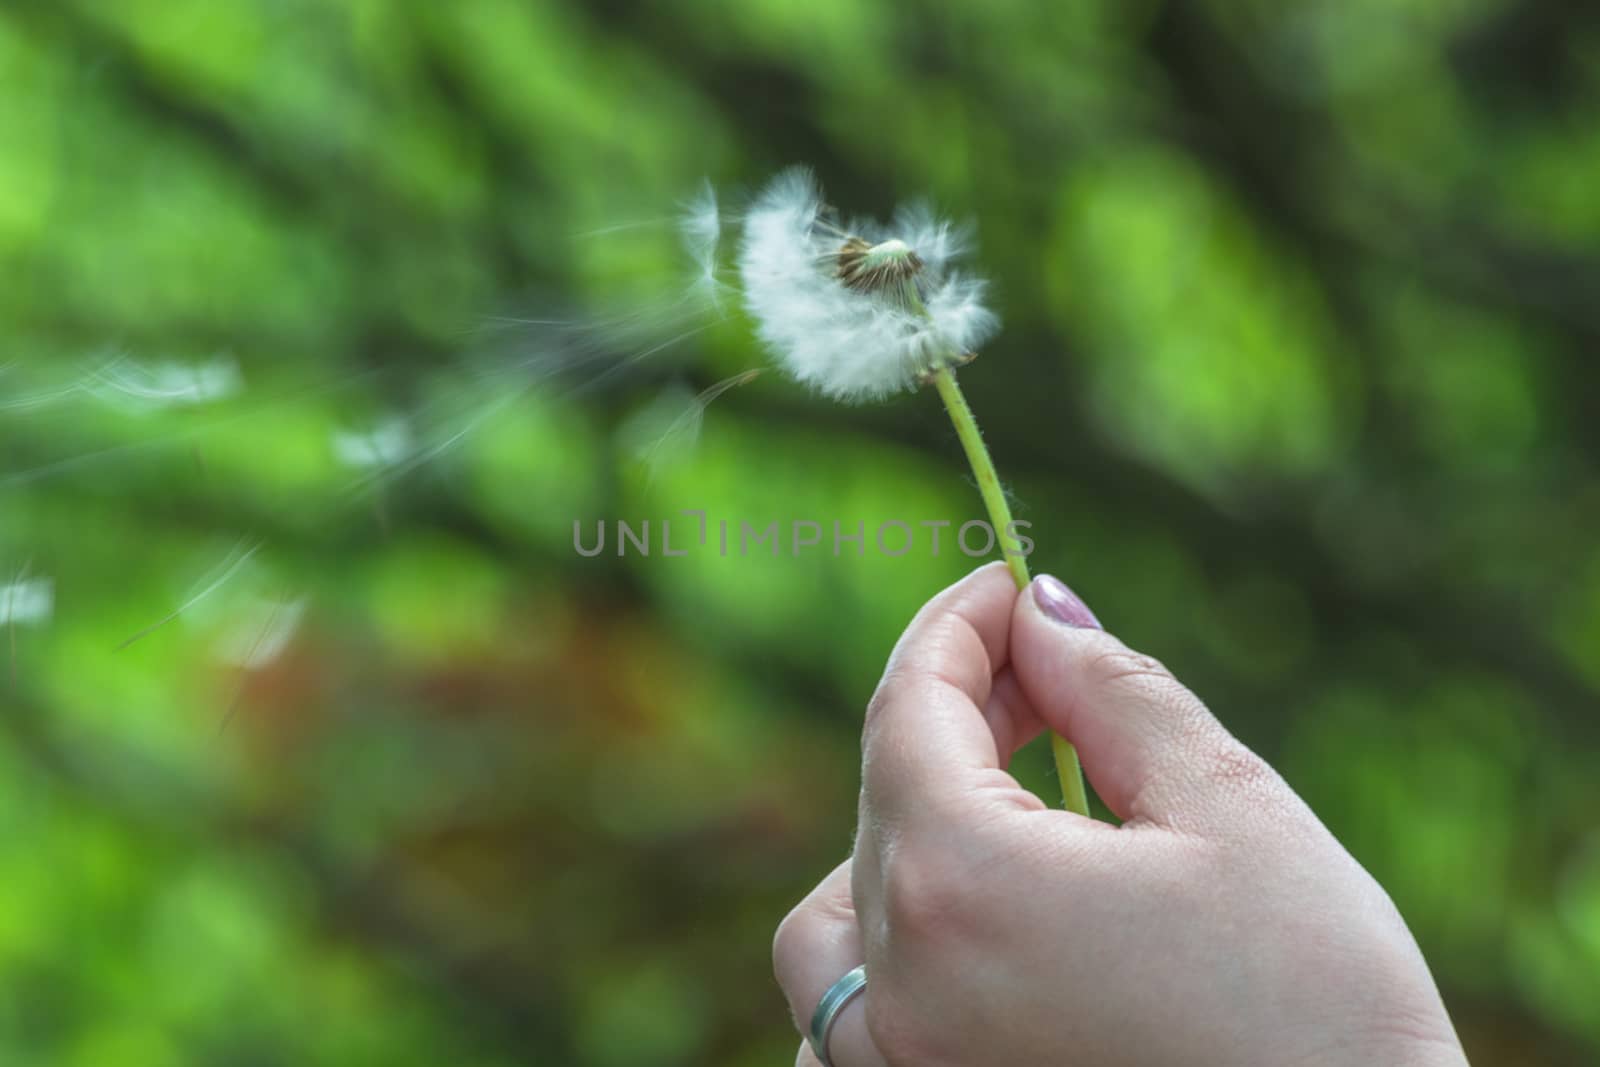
column 869, row 268
column 863, row 312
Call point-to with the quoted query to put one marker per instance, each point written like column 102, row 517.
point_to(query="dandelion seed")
column 24, row 601
column 385, row 445
column 701, row 229
column 260, row 637
column 255, row 647
column 682, row 416
column 236, row 559
column 27, row 601
column 860, row 313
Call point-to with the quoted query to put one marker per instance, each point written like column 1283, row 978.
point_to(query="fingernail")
column 1062, row 604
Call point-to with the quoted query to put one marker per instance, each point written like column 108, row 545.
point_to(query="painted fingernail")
column 1062, row 604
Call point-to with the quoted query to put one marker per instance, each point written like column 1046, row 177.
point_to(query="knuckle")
column 808, row 924
column 898, row 677
column 881, row 697
column 793, row 940
column 1125, row 667
column 926, row 896
column 1149, row 681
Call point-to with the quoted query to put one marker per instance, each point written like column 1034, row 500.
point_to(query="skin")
column 1221, row 923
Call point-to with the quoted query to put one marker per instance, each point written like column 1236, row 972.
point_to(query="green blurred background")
column 1296, row 386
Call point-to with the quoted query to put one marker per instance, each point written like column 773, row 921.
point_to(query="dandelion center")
column 874, row 268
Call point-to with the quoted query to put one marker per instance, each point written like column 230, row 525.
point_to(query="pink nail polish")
column 1062, row 604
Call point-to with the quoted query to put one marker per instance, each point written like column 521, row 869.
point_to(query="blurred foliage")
column 1296, row 388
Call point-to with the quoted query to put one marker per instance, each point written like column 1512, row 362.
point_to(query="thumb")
column 1150, row 748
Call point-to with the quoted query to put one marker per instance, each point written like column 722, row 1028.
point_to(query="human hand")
column 1221, row 923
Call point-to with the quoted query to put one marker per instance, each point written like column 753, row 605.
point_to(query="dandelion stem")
column 994, row 499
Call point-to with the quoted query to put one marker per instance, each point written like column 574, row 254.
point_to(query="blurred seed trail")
column 558, row 357
column 684, row 431
column 193, row 401
column 567, row 357
column 263, row 404
column 168, row 383
column 78, row 386
column 231, row 564
column 138, row 385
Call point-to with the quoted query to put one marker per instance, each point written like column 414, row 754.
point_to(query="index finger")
column 925, row 738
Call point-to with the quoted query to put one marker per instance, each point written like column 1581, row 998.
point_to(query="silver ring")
column 834, row 1000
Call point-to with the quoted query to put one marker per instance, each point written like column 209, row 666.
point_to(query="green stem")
column 994, row 499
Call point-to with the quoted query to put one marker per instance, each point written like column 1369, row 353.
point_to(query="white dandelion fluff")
column 700, row 226
column 156, row 386
column 859, row 313
column 27, row 601
column 384, row 445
